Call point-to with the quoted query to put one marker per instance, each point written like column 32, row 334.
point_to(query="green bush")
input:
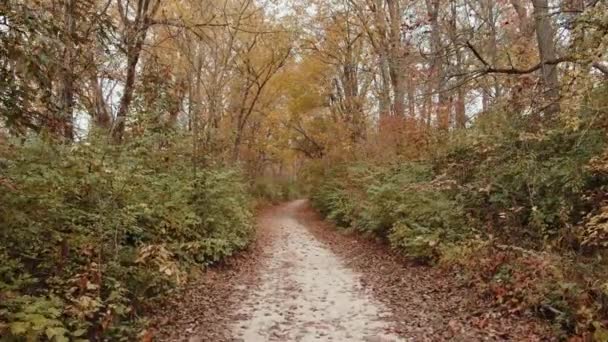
column 519, row 204
column 527, row 186
column 403, row 204
column 333, row 199
column 275, row 190
column 91, row 234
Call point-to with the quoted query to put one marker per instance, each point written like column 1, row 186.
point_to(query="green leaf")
column 57, row 333
column 601, row 333
column 19, row 328
column 79, row 332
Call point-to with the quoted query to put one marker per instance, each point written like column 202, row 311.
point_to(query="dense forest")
column 138, row 139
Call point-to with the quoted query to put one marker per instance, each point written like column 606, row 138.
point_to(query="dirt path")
column 307, row 294
column 302, row 280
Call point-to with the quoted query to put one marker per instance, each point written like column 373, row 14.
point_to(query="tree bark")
column 136, row 32
column 492, row 47
column 101, row 114
column 382, row 49
column 437, row 68
column 545, row 35
column 526, row 27
column 411, row 97
column 460, row 118
column 67, row 84
column 396, row 57
column 127, row 97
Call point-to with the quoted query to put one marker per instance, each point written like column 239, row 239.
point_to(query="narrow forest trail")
column 304, row 281
column 307, row 293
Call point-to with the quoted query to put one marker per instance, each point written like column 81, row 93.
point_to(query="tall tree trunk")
column 545, row 35
column 133, row 54
column 460, row 110
column 350, row 83
column 460, row 118
column 97, row 104
column 196, row 109
column 176, row 106
column 492, row 89
column 385, row 88
column 67, row 84
column 396, row 57
column 381, row 47
column 437, row 67
column 526, row 27
column 411, row 97
column 136, row 32
column 101, row 114
column 352, row 106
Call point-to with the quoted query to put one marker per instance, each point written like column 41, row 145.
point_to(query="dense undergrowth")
column 275, row 190
column 522, row 212
column 92, row 235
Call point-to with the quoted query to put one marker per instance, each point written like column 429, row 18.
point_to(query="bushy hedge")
column 523, row 211
column 403, row 204
column 274, row 189
column 529, row 188
column 91, row 234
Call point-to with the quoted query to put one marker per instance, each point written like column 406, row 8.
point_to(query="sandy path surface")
column 303, row 280
column 308, row 294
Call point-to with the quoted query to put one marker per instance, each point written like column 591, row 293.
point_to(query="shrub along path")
column 304, row 281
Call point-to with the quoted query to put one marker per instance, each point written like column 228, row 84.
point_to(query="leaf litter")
column 303, row 280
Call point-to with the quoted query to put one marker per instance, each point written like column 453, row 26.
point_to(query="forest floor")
column 302, row 280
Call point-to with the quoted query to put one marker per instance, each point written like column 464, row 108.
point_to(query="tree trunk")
column 491, row 90
column 127, row 96
column 381, row 48
column 460, row 110
column 67, row 84
column 136, row 32
column 526, row 28
column 437, row 68
column 396, row 58
column 411, row 97
column 101, row 114
column 545, row 35
column 460, row 118
column 385, row 96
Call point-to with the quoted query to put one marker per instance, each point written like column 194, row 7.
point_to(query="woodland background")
column 136, row 137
